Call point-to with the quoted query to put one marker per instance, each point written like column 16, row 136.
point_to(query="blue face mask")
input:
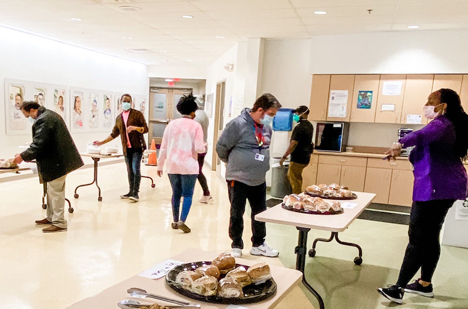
column 126, row 106
column 31, row 119
column 267, row 120
column 296, row 118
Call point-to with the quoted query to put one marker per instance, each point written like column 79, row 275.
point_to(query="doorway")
column 218, row 127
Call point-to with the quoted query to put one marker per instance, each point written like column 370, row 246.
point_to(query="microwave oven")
column 331, row 136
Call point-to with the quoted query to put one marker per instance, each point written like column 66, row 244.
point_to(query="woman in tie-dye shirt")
column 182, row 142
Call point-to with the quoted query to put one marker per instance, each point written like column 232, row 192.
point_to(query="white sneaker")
column 236, row 252
column 206, row 199
column 264, row 250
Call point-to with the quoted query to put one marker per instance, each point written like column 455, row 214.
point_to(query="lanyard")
column 259, row 136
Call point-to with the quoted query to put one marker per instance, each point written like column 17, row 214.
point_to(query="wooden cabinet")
column 328, row 173
column 464, row 93
column 418, row 88
column 353, row 177
column 389, row 106
column 453, row 82
column 366, row 88
column 319, row 97
column 378, row 182
column 342, row 82
column 309, row 175
column 401, row 188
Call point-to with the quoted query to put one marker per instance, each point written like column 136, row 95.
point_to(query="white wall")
column 286, row 71
column 28, row 57
column 188, row 71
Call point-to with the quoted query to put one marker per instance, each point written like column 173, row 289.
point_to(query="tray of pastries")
column 311, row 205
column 8, row 163
column 223, row 281
column 333, row 191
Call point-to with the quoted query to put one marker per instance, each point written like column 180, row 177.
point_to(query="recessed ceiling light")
column 137, row 50
column 129, row 8
column 320, row 12
column 187, row 16
column 169, row 80
column 219, row 37
column 413, row 27
column 127, row 38
column 163, row 51
column 75, row 19
column 189, row 60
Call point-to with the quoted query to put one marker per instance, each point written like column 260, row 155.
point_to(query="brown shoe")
column 53, row 228
column 43, row 221
column 181, row 225
column 174, row 225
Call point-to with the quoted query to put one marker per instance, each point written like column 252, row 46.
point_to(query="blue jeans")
column 133, row 160
column 182, row 186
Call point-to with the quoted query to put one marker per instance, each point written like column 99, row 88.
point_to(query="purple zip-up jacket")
column 438, row 172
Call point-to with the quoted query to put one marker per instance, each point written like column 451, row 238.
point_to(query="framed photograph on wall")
column 209, row 105
column 108, row 111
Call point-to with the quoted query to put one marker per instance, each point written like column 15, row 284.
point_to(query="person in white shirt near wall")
column 202, row 119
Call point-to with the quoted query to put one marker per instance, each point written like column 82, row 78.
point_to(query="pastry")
column 298, row 205
column 186, row 278
column 303, row 196
column 323, row 186
column 208, row 270
column 8, row 163
column 334, row 186
column 206, row 286
column 314, row 189
column 259, row 273
column 338, row 194
column 310, row 207
column 323, row 207
column 240, row 276
column 329, row 193
column 225, row 262
column 289, row 200
column 230, row 288
column 346, row 193
column 335, row 207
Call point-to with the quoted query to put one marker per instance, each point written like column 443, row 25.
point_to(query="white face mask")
column 429, row 112
column 267, row 120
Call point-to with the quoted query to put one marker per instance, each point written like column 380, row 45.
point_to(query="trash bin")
column 279, row 181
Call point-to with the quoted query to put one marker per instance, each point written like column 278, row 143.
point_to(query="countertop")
column 355, row 154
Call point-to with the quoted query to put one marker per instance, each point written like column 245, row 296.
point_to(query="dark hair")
column 458, row 117
column 187, row 104
column 19, row 95
column 74, row 102
column 29, row 105
column 266, row 101
column 302, row 110
column 126, row 95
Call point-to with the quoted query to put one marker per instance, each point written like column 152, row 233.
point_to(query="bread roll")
column 346, row 193
column 335, row 207
column 298, row 205
column 334, row 186
column 310, row 207
column 289, row 200
column 229, row 288
column 303, row 196
column 225, row 262
column 338, row 194
column 208, row 270
column 323, row 207
column 314, row 189
column 206, row 286
column 329, row 193
column 259, row 273
column 240, row 276
column 323, row 186
column 186, row 278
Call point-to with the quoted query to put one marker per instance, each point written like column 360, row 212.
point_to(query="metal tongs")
column 140, row 293
column 131, row 304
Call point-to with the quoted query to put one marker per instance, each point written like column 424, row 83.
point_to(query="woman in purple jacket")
column 439, row 180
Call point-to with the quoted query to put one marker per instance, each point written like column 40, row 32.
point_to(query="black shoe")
column 417, row 288
column 174, row 225
column 134, row 198
column 393, row 293
column 126, row 196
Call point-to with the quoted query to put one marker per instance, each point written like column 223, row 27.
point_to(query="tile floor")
column 112, row 240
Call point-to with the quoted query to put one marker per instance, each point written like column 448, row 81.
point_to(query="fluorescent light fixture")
column 75, row 19
column 187, row 16
column 413, row 27
column 129, row 8
column 219, row 37
column 169, row 80
column 189, row 60
column 163, row 51
column 320, row 12
column 137, row 50
column 127, row 38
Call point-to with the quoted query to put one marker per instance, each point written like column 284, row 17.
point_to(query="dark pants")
column 238, row 194
column 133, row 160
column 423, row 250
column 182, row 186
column 201, row 177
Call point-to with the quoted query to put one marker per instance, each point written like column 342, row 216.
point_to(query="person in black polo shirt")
column 300, row 148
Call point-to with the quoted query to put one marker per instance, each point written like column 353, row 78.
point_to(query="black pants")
column 133, row 160
column 238, row 195
column 201, row 177
column 423, row 250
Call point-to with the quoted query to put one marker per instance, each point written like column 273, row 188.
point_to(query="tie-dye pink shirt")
column 182, row 142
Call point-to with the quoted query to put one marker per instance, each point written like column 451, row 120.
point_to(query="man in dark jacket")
column 245, row 147
column 130, row 125
column 56, row 156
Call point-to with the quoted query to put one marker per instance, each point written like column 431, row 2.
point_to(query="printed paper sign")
column 338, row 103
column 392, row 87
column 388, row 108
column 461, row 211
column 348, row 205
column 365, row 99
column 414, row 119
column 160, row 270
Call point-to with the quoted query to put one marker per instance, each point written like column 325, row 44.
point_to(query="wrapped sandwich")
column 229, row 288
column 240, row 276
column 206, row 286
column 259, row 273
column 186, row 278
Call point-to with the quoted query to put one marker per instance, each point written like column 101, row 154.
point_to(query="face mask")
column 429, row 112
column 267, row 120
column 31, row 119
column 296, row 118
column 126, row 106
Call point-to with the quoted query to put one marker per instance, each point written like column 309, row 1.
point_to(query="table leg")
column 300, row 251
column 150, row 178
column 357, row 260
column 95, row 181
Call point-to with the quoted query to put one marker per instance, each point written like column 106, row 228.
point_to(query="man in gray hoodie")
column 245, row 147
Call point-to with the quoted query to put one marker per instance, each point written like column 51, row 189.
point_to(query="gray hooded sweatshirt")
column 238, row 147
